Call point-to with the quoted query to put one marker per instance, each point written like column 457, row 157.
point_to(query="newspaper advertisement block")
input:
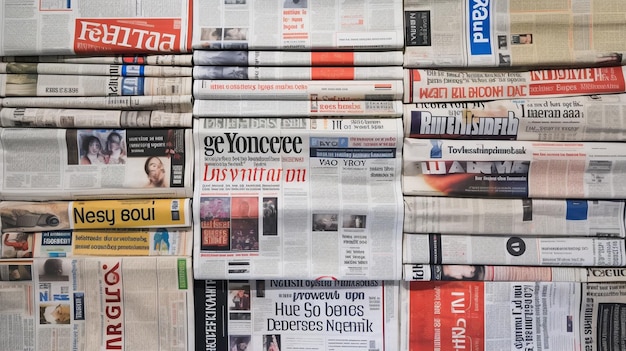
column 167, row 103
column 94, row 27
column 279, row 315
column 318, row 91
column 80, row 118
column 493, row 216
column 162, row 241
column 76, row 85
column 530, row 316
column 503, row 33
column 71, row 164
column 297, row 198
column 428, row 85
column 105, row 303
column 514, row 169
column 297, row 108
column 578, row 118
column 296, row 58
column 435, row 272
column 24, row 216
column 513, row 250
column 297, row 25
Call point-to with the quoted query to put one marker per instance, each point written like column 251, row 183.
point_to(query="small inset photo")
column 54, row 313
column 521, row 39
column 239, row 342
column 271, row 342
column 354, row 221
column 325, row 222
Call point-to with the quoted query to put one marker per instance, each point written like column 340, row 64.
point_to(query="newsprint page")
column 297, row 198
column 39, row 164
column 313, row 315
column 113, row 303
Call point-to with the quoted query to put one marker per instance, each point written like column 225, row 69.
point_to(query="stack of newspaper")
column 513, row 175
column 297, row 177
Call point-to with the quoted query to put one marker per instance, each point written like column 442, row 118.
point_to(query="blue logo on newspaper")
column 329, row 142
column 480, row 27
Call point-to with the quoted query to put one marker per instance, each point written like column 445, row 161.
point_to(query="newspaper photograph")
column 82, row 118
column 79, row 164
column 296, row 198
column 317, row 315
column 89, row 27
column 513, row 316
column 25, row 216
column 297, row 108
column 103, row 303
column 513, row 250
column 297, row 25
column 162, row 241
column 336, row 90
column 514, row 169
column 77, row 85
column 95, row 69
column 445, row 272
column 428, row 85
column 579, row 118
column 167, row 103
column 495, row 216
column 454, row 33
column 296, row 58
column 297, row 73
column 152, row 60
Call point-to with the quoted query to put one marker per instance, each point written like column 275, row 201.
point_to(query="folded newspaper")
column 104, row 303
column 513, row 250
column 161, row 241
column 491, row 168
column 297, row 198
column 497, row 216
column 94, row 214
column 577, row 118
column 457, row 33
column 94, row 27
column 71, row 164
column 276, row 315
column 297, row 25
column 297, row 108
column 428, row 272
column 428, row 85
column 167, row 103
column 485, row 316
column 296, row 58
column 297, row 73
column 95, row 69
column 152, row 60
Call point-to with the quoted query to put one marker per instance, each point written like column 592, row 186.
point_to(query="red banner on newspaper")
column 118, row 35
column 446, row 316
column 576, row 81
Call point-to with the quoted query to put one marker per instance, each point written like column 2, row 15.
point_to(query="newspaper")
column 427, row 85
column 78, row 118
column 298, row 73
column 71, row 164
column 73, row 85
column 491, row 168
column 296, row 58
column 24, row 216
column 167, row 103
column 152, row 60
column 297, row 25
column 104, row 303
column 103, row 242
column 538, row 217
column 579, row 118
column 297, row 108
column 95, row 69
column 513, row 250
column 296, row 198
column 512, row 33
column 276, row 315
column 338, row 90
column 426, row 272
column 93, row 27
column 484, row 316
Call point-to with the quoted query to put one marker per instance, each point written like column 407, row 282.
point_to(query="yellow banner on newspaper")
column 144, row 213
column 112, row 244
